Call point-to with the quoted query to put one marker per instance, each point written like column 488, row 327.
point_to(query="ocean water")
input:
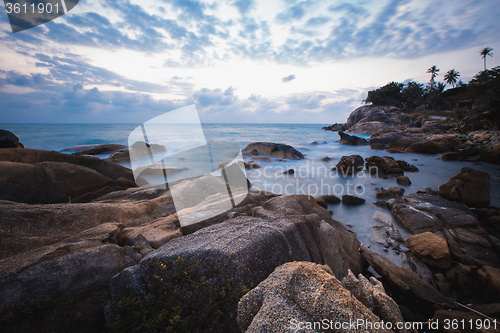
column 311, row 176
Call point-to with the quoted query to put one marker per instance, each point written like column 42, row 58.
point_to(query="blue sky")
column 238, row 60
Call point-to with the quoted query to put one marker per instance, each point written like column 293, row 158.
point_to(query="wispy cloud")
column 288, row 78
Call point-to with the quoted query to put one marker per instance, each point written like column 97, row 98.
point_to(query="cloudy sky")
column 284, row 61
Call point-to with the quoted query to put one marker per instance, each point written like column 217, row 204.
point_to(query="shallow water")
column 312, row 176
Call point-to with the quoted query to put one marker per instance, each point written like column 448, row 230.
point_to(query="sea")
column 312, row 176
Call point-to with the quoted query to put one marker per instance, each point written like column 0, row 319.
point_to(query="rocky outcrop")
column 383, row 167
column 472, row 187
column 351, row 140
column 277, row 150
column 9, row 140
column 34, row 176
column 230, row 257
column 386, row 139
column 349, row 165
column 469, row 243
column 371, row 119
column 426, row 147
column 303, row 292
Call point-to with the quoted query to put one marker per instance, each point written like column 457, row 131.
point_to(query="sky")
column 237, row 61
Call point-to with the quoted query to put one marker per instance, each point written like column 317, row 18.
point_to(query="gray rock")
column 370, row 119
column 350, row 165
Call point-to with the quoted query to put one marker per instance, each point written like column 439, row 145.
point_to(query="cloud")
column 288, row 78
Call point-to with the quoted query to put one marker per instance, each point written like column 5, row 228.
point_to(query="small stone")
column 403, row 180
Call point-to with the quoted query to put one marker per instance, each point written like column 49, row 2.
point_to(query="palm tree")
column 433, row 71
column 451, row 77
column 486, row 52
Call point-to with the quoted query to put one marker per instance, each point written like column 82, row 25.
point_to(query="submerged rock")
column 352, row 200
column 278, row 150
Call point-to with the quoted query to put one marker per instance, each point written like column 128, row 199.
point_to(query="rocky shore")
column 84, row 249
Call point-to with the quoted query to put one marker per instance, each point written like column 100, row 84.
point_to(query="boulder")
column 9, row 140
column 217, row 264
column 120, row 156
column 432, row 249
column 403, row 180
column 403, row 143
column 52, row 182
column 384, row 140
column 326, row 159
column 278, row 150
column 391, row 192
column 383, row 167
column 320, row 201
column 352, row 200
column 305, row 293
column 406, row 166
column 425, row 147
column 251, row 165
column 334, row 128
column 141, row 148
column 370, row 119
column 350, row 165
column 331, row 199
column 351, row 140
column 470, row 186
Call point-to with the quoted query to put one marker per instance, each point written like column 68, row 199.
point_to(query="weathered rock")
column 243, row 251
column 391, row 192
column 251, row 165
column 405, row 280
column 384, row 140
column 141, row 148
column 334, row 128
column 326, row 159
column 120, row 156
column 51, row 182
column 372, row 294
column 351, row 140
column 300, row 292
column 403, row 180
column 278, row 150
column 425, row 147
column 63, row 286
column 468, row 242
column 403, row 143
column 370, row 119
column 406, row 166
column 352, row 200
column 9, row 140
column 450, row 156
column 432, row 249
column 350, row 165
column 320, row 201
column 470, row 186
column 489, row 278
column 410, row 261
column 383, row 167
column 289, row 172
column 332, row 199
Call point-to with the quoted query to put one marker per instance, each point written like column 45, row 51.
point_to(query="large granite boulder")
column 278, row 150
column 351, row 140
column 385, row 139
column 38, row 176
column 371, row 119
column 215, row 265
column 349, row 165
column 9, row 140
column 303, row 296
column 472, row 187
column 426, row 147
